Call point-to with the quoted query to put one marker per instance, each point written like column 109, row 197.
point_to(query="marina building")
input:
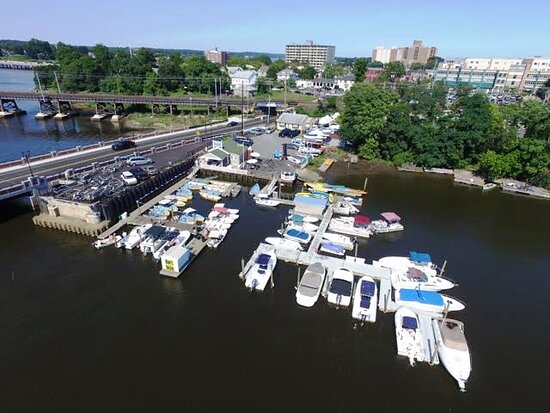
column 313, row 54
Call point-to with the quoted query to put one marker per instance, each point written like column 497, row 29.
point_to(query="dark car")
column 293, row 133
column 284, row 133
column 123, row 144
column 243, row 141
column 232, row 123
column 139, row 173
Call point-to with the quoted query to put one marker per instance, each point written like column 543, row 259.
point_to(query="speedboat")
column 181, row 239
column 430, row 301
column 357, row 226
column 390, row 222
column 298, row 218
column 295, row 235
column 365, row 300
column 284, row 243
column 333, row 249
column 261, row 271
column 150, row 237
column 453, row 349
column 210, row 195
column 345, row 209
column 339, row 239
column 310, row 285
column 105, row 242
column 136, row 235
column 215, row 237
column 304, row 226
column 341, row 287
column 266, row 202
column 408, row 335
column 122, row 240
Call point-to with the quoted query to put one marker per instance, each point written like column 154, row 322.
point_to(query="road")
column 161, row 159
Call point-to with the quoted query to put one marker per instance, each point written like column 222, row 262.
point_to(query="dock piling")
column 298, row 277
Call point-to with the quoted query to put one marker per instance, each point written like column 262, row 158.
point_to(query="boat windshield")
column 341, row 287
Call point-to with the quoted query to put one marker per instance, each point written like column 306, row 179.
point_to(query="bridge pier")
column 47, row 109
column 64, row 110
column 101, row 112
column 119, row 112
column 8, row 107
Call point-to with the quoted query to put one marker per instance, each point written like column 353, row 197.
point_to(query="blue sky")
column 483, row 28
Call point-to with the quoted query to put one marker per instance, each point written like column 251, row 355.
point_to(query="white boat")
column 150, row 238
column 302, row 218
column 430, row 301
column 122, row 240
column 402, row 263
column 288, row 176
column 346, row 225
column 284, row 243
column 267, row 202
column 341, row 287
column 390, row 222
column 181, row 239
column 408, row 335
column 135, row 236
column 453, row 349
column 216, row 237
column 310, row 285
column 339, row 239
column 296, row 235
column 488, row 186
column 261, row 271
column 345, row 209
column 332, row 249
column 105, row 242
column 365, row 300
column 304, row 226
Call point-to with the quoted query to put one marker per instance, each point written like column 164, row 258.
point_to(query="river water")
column 91, row 330
column 24, row 133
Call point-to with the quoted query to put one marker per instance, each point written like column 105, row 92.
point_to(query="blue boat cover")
column 410, row 323
column 421, row 257
column 365, row 301
column 155, row 231
column 297, row 218
column 297, row 234
column 421, row 296
column 309, row 201
column 367, row 288
column 340, row 287
column 263, row 260
column 337, row 249
column 255, row 189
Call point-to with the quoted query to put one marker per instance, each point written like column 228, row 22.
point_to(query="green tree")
column 360, row 69
column 264, row 59
column 393, row 71
column 376, row 63
column 307, row 72
column 417, row 66
column 331, row 70
column 275, row 68
column 433, row 62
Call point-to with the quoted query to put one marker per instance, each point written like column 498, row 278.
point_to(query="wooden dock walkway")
column 428, row 338
column 268, row 189
column 327, row 216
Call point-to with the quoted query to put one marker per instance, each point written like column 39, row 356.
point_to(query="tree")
column 307, row 72
column 264, row 59
column 376, row 63
column 433, row 62
column 275, row 68
column 360, row 69
column 331, row 70
column 38, row 49
column 263, row 85
column 417, row 66
column 393, row 71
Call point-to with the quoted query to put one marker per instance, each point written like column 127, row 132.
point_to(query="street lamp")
column 25, row 155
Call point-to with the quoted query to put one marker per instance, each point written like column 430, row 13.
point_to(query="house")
column 304, row 83
column 323, row 83
column 373, row 73
column 262, row 71
column 225, row 152
column 287, row 74
column 232, row 70
column 294, row 121
column 344, row 82
column 244, row 82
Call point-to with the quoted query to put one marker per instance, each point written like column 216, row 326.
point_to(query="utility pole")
column 39, row 85
column 25, row 155
column 57, row 82
column 285, row 94
column 242, row 107
column 268, row 107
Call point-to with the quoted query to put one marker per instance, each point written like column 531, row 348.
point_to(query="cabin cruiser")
column 341, row 287
column 430, row 301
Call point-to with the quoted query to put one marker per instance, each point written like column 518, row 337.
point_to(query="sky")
column 465, row 28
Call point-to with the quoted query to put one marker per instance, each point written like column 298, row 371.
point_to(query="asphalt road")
column 161, row 159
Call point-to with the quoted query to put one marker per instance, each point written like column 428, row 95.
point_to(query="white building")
column 381, row 54
column 304, row 83
column 294, row 121
column 314, row 54
column 344, row 82
column 287, row 74
column 244, row 82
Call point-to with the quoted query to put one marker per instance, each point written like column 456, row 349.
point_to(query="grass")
column 147, row 120
column 15, row 58
column 280, row 95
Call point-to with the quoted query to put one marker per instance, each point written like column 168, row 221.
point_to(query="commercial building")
column 316, row 55
column 416, row 53
column 294, row 121
column 216, row 56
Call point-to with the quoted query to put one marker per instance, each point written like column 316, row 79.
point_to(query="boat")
column 424, row 300
column 181, row 239
column 365, row 300
column 122, row 240
column 210, row 195
column 135, row 236
column 105, row 242
column 303, row 218
column 165, row 239
column 344, row 208
column 295, row 235
column 341, row 287
column 284, row 243
column 333, row 249
column 488, row 186
column 150, row 237
column 339, row 239
column 390, row 222
column 408, row 335
column 351, row 226
column 353, row 200
column 254, row 190
column 266, row 202
column 310, row 285
column 453, row 349
column 288, row 176
column 260, row 272
column 216, row 237
column 304, row 226
column 403, row 263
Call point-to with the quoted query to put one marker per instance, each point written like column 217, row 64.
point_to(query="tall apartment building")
column 216, row 56
column 408, row 55
column 314, row 54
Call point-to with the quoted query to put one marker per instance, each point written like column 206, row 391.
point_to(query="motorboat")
column 298, row 218
column 167, row 238
column 254, row 190
column 408, row 335
column 488, row 186
column 332, row 249
column 150, row 237
column 284, row 243
column 136, row 235
column 122, row 240
column 304, row 226
column 266, row 202
column 365, row 300
column 418, row 260
column 390, row 222
column 341, row 287
column 296, row 235
column 216, row 237
column 424, row 300
column 345, row 208
column 310, row 285
column 350, row 226
column 181, row 239
column 288, row 176
column 105, row 242
column 339, row 239
column 210, row 195
column 414, row 277
column 453, row 349
column 260, row 272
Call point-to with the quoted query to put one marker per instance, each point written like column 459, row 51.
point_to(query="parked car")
column 292, row 146
column 269, row 129
column 284, row 133
column 139, row 174
column 122, row 144
column 256, row 131
column 232, row 123
column 139, row 160
column 243, row 141
column 128, row 178
column 150, row 169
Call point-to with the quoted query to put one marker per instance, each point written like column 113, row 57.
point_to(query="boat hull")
column 408, row 340
column 358, row 311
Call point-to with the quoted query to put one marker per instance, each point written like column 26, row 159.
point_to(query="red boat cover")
column 361, row 221
column 391, row 217
column 221, row 210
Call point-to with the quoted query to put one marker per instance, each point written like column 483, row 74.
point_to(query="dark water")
column 95, row 330
column 22, row 133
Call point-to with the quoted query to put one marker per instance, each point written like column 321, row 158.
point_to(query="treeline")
column 121, row 71
column 413, row 124
column 32, row 49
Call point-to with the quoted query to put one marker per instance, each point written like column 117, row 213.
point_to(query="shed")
column 293, row 121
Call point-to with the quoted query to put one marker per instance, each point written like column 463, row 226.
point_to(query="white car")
column 129, row 178
column 139, row 160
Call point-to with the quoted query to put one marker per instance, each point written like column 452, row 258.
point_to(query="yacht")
column 310, row 285
column 430, row 301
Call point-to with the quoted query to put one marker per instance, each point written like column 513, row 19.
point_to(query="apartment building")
column 315, row 55
column 216, row 56
column 416, row 53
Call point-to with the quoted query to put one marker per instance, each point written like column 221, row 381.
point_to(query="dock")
column 267, row 190
column 195, row 246
column 327, row 216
